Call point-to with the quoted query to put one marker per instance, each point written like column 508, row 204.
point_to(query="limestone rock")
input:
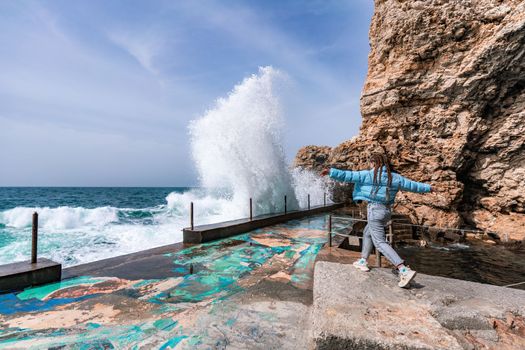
column 313, row 157
column 445, row 99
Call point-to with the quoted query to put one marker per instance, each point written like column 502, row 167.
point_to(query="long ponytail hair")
column 379, row 161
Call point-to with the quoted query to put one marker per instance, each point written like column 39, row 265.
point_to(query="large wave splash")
column 237, row 146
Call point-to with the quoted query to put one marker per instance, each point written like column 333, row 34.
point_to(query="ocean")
column 83, row 224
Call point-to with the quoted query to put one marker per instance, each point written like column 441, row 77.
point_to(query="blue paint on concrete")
column 10, row 304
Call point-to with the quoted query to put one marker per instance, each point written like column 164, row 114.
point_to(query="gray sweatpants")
column 374, row 234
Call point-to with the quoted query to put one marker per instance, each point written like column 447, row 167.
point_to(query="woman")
column 378, row 186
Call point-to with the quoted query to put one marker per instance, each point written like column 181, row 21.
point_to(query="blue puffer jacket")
column 364, row 188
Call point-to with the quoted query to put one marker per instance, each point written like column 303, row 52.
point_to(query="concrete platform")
column 207, row 233
column 20, row 275
column 357, row 310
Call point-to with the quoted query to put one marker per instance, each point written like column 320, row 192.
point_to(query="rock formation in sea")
column 444, row 97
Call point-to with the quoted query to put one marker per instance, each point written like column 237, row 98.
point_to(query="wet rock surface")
column 445, row 99
column 356, row 310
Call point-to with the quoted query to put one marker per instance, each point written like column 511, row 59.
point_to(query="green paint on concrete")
column 166, row 324
column 170, row 344
column 194, row 340
column 289, row 254
column 42, row 291
column 91, row 325
column 144, row 283
column 230, row 322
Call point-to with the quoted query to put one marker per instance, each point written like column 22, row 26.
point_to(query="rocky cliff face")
column 445, row 99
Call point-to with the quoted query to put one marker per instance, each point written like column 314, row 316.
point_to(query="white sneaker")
column 362, row 265
column 406, row 274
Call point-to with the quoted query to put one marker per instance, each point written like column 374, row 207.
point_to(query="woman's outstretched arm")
column 413, row 186
column 346, row 175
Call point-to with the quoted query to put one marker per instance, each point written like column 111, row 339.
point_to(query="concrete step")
column 19, row 275
column 367, row 310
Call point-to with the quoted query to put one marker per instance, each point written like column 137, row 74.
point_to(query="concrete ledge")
column 358, row 310
column 17, row 276
column 206, row 233
column 145, row 264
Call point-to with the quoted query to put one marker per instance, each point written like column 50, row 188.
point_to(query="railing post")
column 34, row 241
column 285, row 209
column 251, row 209
column 390, row 233
column 329, row 230
column 191, row 215
column 324, row 199
column 308, row 201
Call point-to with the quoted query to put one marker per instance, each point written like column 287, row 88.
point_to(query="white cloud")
column 144, row 48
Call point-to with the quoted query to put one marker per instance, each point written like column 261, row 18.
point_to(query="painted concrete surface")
column 248, row 291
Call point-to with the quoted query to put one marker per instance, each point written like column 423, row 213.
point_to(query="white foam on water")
column 79, row 235
column 59, row 218
column 207, row 207
column 306, row 182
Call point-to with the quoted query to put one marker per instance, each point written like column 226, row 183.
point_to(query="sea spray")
column 307, row 182
column 237, row 146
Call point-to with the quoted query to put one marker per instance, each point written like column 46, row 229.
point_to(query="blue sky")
column 100, row 93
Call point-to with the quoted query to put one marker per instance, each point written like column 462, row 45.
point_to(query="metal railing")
column 34, row 238
column 360, row 238
column 308, row 207
column 462, row 231
column 331, row 231
column 417, row 231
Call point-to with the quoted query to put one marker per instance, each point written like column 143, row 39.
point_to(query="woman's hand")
column 325, row 172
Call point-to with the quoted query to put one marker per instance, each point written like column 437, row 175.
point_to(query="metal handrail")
column 390, row 234
column 330, row 232
column 415, row 225
column 308, row 207
column 514, row 284
column 348, row 219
